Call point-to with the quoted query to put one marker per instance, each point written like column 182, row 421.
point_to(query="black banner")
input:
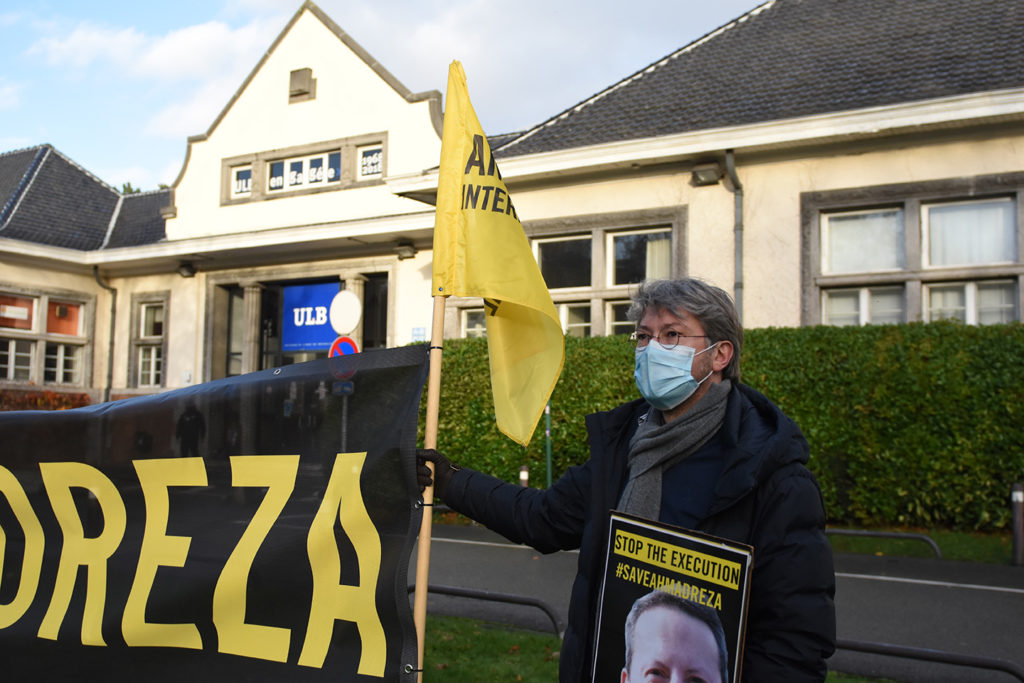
column 251, row 529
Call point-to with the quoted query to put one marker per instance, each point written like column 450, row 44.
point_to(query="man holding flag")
column 699, row 450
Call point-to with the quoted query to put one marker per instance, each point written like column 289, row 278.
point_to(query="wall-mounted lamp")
column 705, row 174
column 186, row 269
column 404, row 250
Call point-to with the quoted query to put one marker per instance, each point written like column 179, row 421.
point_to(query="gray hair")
column 702, row 613
column 712, row 306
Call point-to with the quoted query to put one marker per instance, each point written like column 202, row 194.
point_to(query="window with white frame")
column 862, row 241
column 591, row 265
column 575, row 318
column 63, row 364
column 920, row 251
column 473, row 322
column 325, row 165
column 317, row 170
column 16, row 359
column 564, row 261
column 969, row 233
column 370, row 160
column 150, row 346
column 974, row 303
column 638, row 255
column 42, row 339
column 241, row 181
column 149, row 340
column 618, row 323
column 863, row 306
column 17, row 312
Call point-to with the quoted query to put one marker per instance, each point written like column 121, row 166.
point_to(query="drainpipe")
column 110, row 342
column 737, row 189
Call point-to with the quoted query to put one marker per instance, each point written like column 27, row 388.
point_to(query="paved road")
column 959, row 607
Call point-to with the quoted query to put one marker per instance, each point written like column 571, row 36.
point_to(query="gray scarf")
column 657, row 446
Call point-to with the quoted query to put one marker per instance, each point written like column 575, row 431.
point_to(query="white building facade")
column 320, row 172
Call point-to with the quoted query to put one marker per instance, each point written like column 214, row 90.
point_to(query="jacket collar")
column 756, row 439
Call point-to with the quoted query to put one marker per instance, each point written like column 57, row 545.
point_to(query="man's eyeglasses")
column 668, row 338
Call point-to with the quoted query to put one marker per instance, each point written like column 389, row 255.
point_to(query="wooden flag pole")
column 429, row 441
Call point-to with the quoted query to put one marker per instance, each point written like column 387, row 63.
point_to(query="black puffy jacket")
column 765, row 497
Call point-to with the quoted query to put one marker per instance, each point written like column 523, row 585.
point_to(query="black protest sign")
column 254, row 528
column 670, row 598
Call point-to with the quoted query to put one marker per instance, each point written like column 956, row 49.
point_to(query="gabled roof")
column 15, row 170
column 385, row 75
column 787, row 59
column 139, row 221
column 45, row 198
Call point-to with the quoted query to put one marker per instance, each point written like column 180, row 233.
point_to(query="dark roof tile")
column 62, row 206
column 45, row 198
column 795, row 58
column 16, row 169
column 139, row 220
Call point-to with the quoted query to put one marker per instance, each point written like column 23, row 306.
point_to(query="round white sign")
column 346, row 310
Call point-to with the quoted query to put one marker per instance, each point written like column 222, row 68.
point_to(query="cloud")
column 526, row 65
column 10, row 18
column 193, row 53
column 523, row 65
column 143, row 177
column 196, row 52
column 10, row 95
column 418, row 43
column 88, row 43
column 194, row 113
column 139, row 176
column 248, row 8
column 15, row 142
column 170, row 170
column 198, row 66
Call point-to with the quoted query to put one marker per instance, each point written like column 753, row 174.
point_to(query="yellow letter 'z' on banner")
column 480, row 249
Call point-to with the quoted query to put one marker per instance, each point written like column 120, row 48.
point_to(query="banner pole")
column 429, row 441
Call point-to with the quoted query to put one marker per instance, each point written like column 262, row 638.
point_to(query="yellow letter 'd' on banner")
column 480, row 249
column 32, row 559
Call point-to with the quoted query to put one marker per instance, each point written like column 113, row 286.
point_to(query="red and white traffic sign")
column 343, row 346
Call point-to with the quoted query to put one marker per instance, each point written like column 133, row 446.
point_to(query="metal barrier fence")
column 889, row 534
column 885, row 649
column 498, row 597
column 923, row 654
column 932, row 656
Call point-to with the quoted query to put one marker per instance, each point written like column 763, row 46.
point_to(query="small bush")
column 41, row 400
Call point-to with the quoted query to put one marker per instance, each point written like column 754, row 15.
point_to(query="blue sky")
column 119, row 86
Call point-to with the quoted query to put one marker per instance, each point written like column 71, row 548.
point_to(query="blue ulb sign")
column 306, row 324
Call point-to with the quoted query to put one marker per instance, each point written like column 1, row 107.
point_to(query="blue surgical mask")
column 663, row 374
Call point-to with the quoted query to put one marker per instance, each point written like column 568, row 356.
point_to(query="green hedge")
column 909, row 425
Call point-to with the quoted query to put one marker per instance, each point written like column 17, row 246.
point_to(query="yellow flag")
column 480, row 249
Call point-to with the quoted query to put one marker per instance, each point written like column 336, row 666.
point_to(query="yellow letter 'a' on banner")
column 480, row 249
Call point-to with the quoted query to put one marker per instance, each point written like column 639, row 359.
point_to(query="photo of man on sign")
column 672, row 639
column 673, row 605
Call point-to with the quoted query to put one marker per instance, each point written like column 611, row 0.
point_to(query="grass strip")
column 993, row 548
column 461, row 650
